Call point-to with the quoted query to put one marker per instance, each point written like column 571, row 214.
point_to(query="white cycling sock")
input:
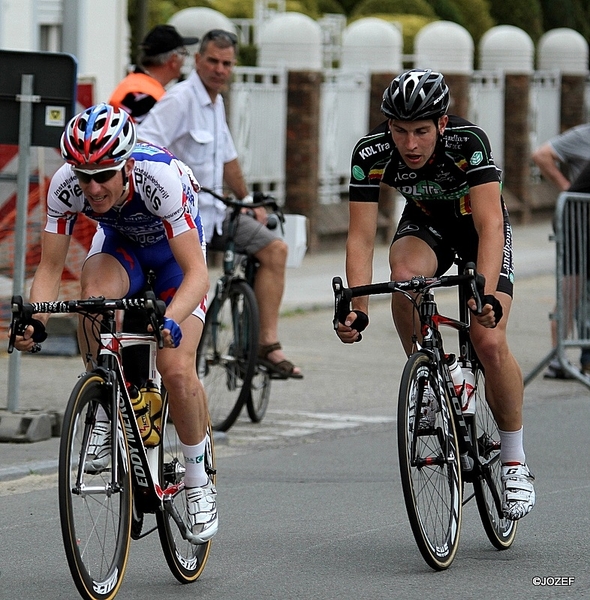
column 511, row 449
column 194, row 463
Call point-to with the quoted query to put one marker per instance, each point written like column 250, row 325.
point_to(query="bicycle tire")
column 431, row 481
column 259, row 396
column 96, row 527
column 185, row 560
column 228, row 352
column 488, row 486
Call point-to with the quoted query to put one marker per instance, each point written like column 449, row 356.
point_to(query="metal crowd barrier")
column 572, row 306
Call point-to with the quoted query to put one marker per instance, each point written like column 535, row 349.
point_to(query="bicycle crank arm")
column 185, row 532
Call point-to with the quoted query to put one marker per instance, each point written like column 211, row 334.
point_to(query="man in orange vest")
column 162, row 54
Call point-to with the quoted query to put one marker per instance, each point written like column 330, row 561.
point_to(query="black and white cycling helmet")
column 415, row 95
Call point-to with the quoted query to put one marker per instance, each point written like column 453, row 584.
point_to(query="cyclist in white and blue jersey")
column 145, row 203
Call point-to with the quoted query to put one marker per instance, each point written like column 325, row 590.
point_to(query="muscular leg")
column 188, row 403
column 504, row 386
column 102, row 275
column 269, row 287
column 408, row 256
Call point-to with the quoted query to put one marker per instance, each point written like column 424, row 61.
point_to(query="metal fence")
column 258, row 122
column 344, row 119
column 572, row 306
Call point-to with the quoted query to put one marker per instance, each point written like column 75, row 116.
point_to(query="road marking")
column 283, row 425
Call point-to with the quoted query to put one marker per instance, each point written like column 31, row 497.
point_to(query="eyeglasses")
column 216, row 34
column 181, row 51
column 103, row 176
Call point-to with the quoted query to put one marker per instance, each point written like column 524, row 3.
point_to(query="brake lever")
column 341, row 307
column 157, row 309
column 477, row 285
column 16, row 325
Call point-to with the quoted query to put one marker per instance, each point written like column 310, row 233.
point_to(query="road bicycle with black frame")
column 227, row 359
column 440, row 454
column 103, row 508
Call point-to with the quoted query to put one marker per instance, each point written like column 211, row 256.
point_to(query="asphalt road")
column 310, row 501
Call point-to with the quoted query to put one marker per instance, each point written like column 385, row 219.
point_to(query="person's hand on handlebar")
column 171, row 333
column 33, row 335
column 491, row 312
column 259, row 213
column 350, row 331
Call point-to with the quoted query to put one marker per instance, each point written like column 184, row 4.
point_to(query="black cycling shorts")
column 455, row 242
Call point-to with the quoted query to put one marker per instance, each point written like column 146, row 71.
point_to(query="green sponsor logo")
column 476, row 158
column 358, row 173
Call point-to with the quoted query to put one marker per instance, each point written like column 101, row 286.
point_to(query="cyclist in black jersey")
column 443, row 166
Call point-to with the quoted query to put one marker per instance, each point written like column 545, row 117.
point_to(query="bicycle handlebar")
column 22, row 312
column 260, row 199
column 419, row 284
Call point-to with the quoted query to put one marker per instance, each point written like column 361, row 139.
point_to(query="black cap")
column 164, row 38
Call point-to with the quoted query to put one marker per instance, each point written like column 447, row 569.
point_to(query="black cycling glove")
column 495, row 304
column 39, row 333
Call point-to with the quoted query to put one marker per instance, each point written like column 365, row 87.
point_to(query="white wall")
column 17, row 25
column 102, row 37
column 103, row 44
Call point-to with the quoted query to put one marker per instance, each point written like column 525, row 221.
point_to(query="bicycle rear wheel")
column 488, row 486
column 257, row 401
column 429, row 465
column 227, row 354
column 185, row 560
column 95, row 517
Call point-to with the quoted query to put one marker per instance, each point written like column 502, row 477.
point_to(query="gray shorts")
column 251, row 235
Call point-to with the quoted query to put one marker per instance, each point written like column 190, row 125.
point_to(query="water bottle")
column 456, row 374
column 464, row 382
column 468, row 396
column 147, row 406
column 153, row 401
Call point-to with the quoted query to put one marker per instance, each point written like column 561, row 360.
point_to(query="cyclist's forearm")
column 359, row 271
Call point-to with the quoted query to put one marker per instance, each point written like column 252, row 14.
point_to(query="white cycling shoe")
column 518, row 497
column 99, row 449
column 202, row 512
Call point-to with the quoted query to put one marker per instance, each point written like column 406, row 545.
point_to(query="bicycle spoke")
column 488, row 487
column 428, row 456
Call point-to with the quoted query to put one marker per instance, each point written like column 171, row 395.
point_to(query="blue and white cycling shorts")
column 138, row 260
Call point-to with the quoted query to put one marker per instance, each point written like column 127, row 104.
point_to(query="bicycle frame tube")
column 144, row 461
column 432, row 342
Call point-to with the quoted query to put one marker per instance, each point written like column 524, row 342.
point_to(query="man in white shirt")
column 190, row 121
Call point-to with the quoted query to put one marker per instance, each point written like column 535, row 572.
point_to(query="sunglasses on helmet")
column 86, row 176
column 216, row 34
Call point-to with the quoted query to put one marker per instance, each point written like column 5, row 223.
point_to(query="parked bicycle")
column 444, row 441
column 227, row 358
column 102, row 508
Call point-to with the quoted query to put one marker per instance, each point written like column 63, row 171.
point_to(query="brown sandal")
column 278, row 370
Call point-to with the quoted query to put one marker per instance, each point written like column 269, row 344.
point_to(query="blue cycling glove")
column 174, row 329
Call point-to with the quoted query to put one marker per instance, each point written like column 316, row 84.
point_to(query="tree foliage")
column 477, row 16
column 367, row 8
column 574, row 14
column 447, row 10
column 525, row 14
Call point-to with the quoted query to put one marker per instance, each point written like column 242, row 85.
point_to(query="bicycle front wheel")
column 488, row 486
column 429, row 462
column 227, row 354
column 185, row 560
column 257, row 401
column 95, row 510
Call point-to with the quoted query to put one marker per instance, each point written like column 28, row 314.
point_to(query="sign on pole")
column 37, row 98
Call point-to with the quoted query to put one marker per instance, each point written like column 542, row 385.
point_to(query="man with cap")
column 161, row 57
